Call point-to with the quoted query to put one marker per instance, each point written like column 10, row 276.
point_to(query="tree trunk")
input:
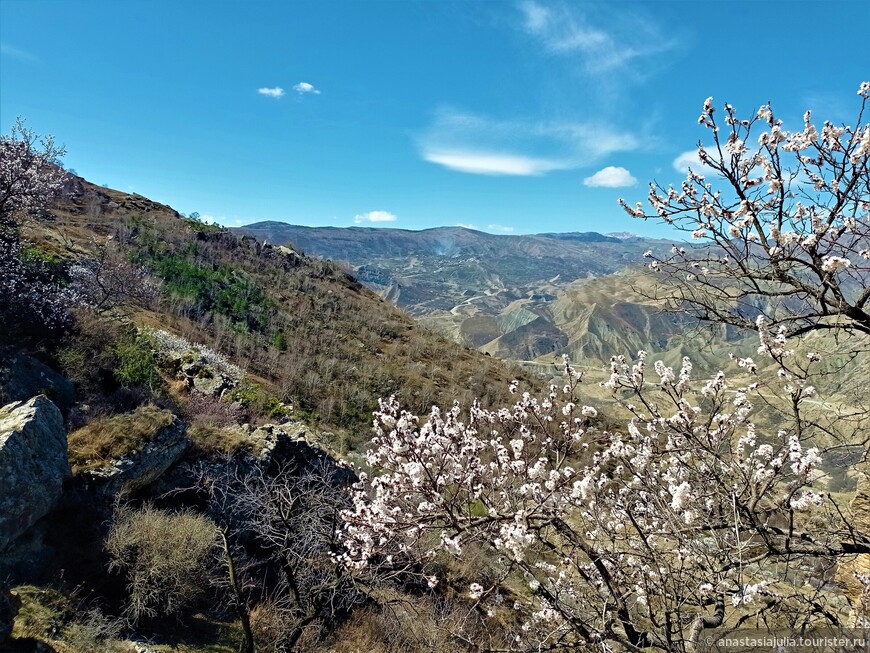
column 247, row 645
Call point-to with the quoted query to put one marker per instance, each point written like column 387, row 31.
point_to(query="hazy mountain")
column 461, row 254
column 522, row 297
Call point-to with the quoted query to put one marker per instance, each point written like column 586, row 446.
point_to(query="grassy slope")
column 302, row 327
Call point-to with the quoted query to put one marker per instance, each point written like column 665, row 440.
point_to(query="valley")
column 529, row 299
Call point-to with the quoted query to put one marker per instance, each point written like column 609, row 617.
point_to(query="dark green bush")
column 137, row 364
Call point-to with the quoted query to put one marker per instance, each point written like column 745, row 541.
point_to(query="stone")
column 33, row 464
column 141, row 468
column 212, row 385
column 23, row 377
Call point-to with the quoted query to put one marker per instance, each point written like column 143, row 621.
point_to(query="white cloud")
column 690, row 159
column 478, row 145
column 629, row 40
column 271, row 92
column 484, row 163
column 374, row 216
column 500, row 228
column 611, row 177
column 305, row 87
column 466, row 226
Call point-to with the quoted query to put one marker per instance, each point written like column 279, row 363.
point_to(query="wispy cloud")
column 17, row 53
column 275, row 92
column 304, row 87
column 627, row 41
column 500, row 228
column 474, row 144
column 374, row 216
column 486, row 163
column 691, row 160
column 466, row 226
column 611, row 177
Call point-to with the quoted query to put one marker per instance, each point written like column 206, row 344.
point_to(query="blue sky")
column 511, row 117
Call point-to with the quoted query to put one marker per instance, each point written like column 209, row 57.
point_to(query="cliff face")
column 33, row 464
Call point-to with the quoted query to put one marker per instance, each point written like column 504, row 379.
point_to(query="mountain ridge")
column 499, row 293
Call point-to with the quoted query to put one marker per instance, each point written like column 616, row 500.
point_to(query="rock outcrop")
column 286, row 447
column 272, row 448
column 212, row 385
column 141, row 468
column 202, row 370
column 22, row 377
column 33, row 464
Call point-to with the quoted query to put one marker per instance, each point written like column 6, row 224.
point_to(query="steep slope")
column 302, row 327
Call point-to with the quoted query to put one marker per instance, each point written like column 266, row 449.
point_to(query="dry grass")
column 108, row 438
column 409, row 624
column 212, row 441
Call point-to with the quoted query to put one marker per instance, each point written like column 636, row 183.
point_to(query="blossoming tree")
column 787, row 232
column 642, row 538
column 30, row 172
column 705, row 510
column 30, row 176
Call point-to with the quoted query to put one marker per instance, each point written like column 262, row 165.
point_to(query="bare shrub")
column 94, row 632
column 166, row 557
column 206, row 410
column 272, row 626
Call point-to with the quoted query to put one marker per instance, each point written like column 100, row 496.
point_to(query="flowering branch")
column 787, row 234
column 30, row 172
column 639, row 538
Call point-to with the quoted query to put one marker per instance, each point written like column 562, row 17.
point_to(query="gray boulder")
column 33, row 464
column 213, row 385
column 23, row 377
column 141, row 468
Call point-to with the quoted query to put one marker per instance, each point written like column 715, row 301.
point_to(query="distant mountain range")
column 523, row 297
column 517, row 258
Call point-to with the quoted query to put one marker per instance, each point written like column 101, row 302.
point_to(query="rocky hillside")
column 306, row 332
column 177, row 372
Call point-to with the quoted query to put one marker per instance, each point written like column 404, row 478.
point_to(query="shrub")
column 95, row 632
column 33, row 306
column 166, row 557
column 259, row 402
column 136, row 362
column 89, row 359
column 206, row 410
column 221, row 289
